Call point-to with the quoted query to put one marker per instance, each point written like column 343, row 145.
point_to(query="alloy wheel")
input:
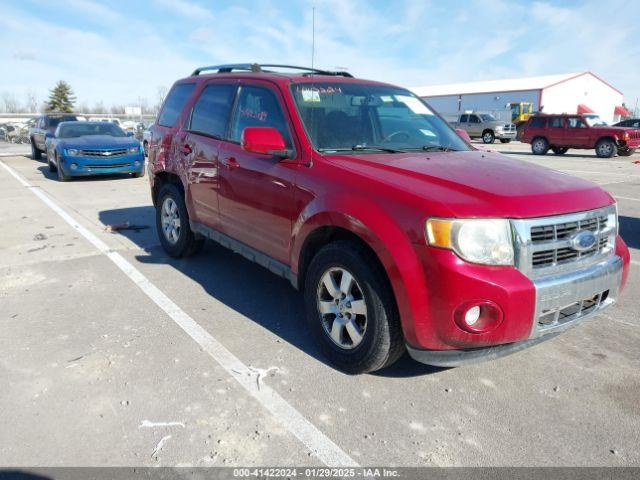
column 170, row 219
column 342, row 308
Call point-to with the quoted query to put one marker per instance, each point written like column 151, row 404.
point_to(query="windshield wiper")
column 438, row 148
column 361, row 148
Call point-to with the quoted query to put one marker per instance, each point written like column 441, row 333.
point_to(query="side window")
column 211, row 112
column 464, row 118
column 474, row 119
column 538, row 122
column 556, row 122
column 174, row 104
column 258, row 107
column 575, row 122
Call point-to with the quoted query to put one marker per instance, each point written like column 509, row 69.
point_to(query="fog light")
column 478, row 316
column 74, row 166
column 136, row 163
column 472, row 315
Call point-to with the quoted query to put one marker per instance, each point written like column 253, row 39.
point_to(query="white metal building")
column 568, row 93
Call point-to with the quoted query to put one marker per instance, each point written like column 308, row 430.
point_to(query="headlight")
column 133, row 150
column 485, row 241
column 71, row 151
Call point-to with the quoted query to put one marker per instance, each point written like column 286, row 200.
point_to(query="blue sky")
column 119, row 51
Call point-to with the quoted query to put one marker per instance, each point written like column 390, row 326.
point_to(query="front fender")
column 383, row 233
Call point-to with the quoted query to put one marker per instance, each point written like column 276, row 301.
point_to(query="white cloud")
column 186, row 9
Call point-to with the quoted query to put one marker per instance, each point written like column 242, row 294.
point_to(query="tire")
column 505, row 140
column 138, row 174
column 181, row 241
column 539, row 146
column 52, row 167
column 62, row 177
column 559, row 150
column 488, row 136
column 381, row 341
column 606, row 148
column 145, row 147
column 626, row 152
column 519, row 132
column 36, row 154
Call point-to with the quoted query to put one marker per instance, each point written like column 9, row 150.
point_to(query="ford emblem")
column 583, row 240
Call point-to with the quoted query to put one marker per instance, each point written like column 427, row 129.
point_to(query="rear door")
column 161, row 134
column 256, row 191
column 38, row 133
column 199, row 147
column 475, row 126
column 555, row 131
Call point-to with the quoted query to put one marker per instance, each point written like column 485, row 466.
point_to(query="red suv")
column 400, row 234
column 562, row 132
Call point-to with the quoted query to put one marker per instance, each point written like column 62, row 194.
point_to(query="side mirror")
column 265, row 140
column 463, row 134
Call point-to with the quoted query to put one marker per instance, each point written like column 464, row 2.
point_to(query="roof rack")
column 258, row 68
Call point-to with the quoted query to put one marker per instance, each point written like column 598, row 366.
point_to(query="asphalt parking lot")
column 96, row 372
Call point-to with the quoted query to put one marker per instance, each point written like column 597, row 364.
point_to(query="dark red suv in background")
column 559, row 133
column 400, row 233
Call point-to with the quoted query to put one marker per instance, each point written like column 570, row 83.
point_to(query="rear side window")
column 258, row 107
column 464, row 118
column 210, row 114
column 174, row 104
column 537, row 122
column 474, row 119
column 556, row 122
column 575, row 122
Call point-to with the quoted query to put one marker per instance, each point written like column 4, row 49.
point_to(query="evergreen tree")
column 61, row 98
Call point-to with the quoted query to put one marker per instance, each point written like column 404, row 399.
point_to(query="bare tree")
column 161, row 93
column 10, row 103
column 31, row 101
column 99, row 108
column 117, row 109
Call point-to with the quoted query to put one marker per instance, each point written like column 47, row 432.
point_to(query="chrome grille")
column 544, row 245
column 103, row 152
column 559, row 316
column 509, row 127
column 109, row 165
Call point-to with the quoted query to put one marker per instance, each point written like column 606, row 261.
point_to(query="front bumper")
column 75, row 165
column 506, row 135
column 561, row 302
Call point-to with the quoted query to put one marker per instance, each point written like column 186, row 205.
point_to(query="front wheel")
column 488, row 137
column 559, row 150
column 172, row 223
column 350, row 309
column 605, row 148
column 62, row 177
column 626, row 152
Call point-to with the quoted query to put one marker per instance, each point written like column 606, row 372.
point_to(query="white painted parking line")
column 599, row 173
column 627, row 198
column 316, row 441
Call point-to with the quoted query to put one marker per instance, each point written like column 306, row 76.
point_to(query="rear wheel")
column 36, row 154
column 350, row 309
column 172, row 223
column 605, row 148
column 626, row 152
column 539, row 146
column 505, row 140
column 52, row 166
column 488, row 136
column 559, row 150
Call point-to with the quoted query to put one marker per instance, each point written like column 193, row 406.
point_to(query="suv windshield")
column 487, row 117
column 80, row 129
column 594, row 121
column 370, row 119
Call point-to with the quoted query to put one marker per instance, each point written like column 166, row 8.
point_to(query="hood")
column 478, row 184
column 99, row 141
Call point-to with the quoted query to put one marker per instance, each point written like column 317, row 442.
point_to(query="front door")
column 475, row 126
column 256, row 191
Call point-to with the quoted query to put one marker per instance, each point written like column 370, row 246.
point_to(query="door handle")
column 230, row 162
column 186, row 150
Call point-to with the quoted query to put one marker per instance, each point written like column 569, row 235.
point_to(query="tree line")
column 62, row 99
